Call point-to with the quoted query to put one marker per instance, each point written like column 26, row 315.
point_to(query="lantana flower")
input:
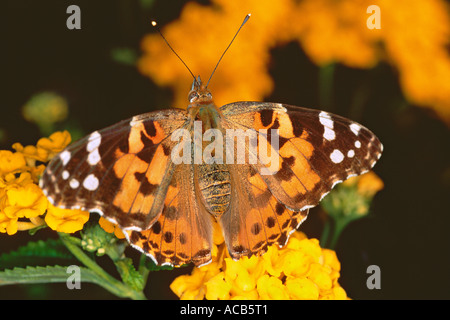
column 65, row 220
column 23, row 206
column 300, row 270
column 111, row 228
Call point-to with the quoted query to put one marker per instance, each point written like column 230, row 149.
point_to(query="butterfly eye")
column 193, row 96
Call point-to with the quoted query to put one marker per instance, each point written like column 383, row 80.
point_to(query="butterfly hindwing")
column 183, row 232
column 255, row 219
column 122, row 171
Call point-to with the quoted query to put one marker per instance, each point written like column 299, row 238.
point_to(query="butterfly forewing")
column 122, row 171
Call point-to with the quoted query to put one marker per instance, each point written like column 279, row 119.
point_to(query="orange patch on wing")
column 302, row 145
column 160, row 134
column 135, row 138
column 169, row 234
column 301, row 150
column 141, row 203
column 122, row 164
column 257, row 122
column 302, row 169
column 157, row 168
column 285, row 129
column 255, row 234
column 258, row 185
column 145, row 203
column 125, row 169
column 293, row 187
column 172, row 192
column 175, row 237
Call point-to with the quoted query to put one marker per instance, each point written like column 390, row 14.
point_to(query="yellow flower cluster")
column 22, row 203
column 414, row 38
column 300, row 270
column 367, row 184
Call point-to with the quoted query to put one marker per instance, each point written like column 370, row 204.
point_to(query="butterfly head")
column 201, row 106
column 199, row 94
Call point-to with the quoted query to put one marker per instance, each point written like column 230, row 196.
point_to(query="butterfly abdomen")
column 214, row 187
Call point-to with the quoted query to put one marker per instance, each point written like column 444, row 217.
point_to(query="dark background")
column 407, row 234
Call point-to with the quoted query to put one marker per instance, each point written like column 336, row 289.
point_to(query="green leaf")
column 130, row 276
column 35, row 253
column 48, row 274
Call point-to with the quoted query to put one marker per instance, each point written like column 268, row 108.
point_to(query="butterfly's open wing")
column 316, row 150
column 123, row 171
column 183, row 232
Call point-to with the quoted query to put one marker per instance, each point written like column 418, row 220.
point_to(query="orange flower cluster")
column 413, row 37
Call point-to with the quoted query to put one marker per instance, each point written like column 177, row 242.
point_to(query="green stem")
column 143, row 270
column 110, row 283
column 325, row 237
column 339, row 226
column 326, row 80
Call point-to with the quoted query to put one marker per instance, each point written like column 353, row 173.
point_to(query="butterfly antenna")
column 154, row 24
column 245, row 20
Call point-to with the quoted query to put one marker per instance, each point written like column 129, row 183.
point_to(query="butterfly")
column 127, row 174
column 168, row 177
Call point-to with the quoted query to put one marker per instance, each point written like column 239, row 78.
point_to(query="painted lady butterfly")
column 127, row 174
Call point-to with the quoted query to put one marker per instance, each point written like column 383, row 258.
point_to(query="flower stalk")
column 110, row 283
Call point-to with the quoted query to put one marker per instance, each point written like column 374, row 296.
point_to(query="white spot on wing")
column 94, row 141
column 357, row 144
column 325, row 119
column 134, row 121
column 351, row 153
column 355, row 128
column 93, row 157
column 91, row 182
column 65, row 175
column 65, row 157
column 74, row 183
column 328, row 125
column 329, row 134
column 336, row 156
